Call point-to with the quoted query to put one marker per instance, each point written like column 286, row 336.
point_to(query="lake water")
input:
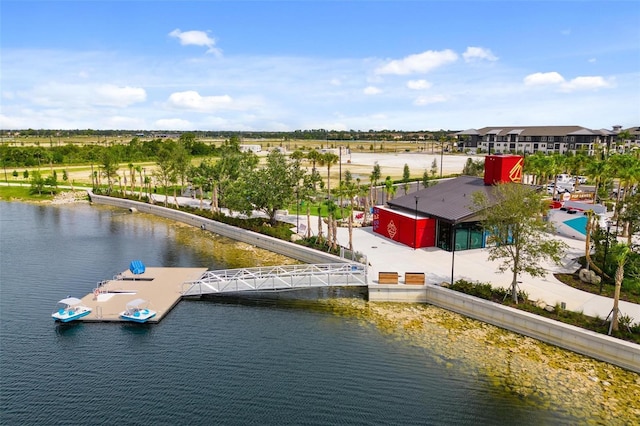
column 208, row 362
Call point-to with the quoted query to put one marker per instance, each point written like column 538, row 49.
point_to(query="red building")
column 414, row 231
column 443, row 215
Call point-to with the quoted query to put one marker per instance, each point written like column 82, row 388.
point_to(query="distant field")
column 390, row 155
column 290, row 145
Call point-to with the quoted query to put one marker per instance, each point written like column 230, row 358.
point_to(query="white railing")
column 271, row 278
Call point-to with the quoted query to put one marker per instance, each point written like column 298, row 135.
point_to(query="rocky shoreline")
column 68, row 197
column 549, row 377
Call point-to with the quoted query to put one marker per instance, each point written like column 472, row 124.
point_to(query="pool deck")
column 161, row 287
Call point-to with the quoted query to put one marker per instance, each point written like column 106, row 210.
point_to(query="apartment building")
column 548, row 139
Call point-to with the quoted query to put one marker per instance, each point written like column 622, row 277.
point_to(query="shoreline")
column 590, row 390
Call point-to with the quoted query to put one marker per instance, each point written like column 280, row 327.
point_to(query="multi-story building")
column 548, row 139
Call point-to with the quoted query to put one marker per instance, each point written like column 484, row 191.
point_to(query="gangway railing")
column 273, row 278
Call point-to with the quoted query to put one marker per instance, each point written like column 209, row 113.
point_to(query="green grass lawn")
column 8, row 193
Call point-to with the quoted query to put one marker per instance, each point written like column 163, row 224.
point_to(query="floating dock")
column 161, row 287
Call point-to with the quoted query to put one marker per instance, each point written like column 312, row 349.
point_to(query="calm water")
column 207, row 362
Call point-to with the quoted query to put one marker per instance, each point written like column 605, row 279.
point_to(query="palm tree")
column 592, row 221
column 313, row 156
column 621, row 258
column 109, row 168
column 132, row 176
column 576, row 165
column 389, row 188
column 319, row 240
column 557, row 166
column 138, row 169
column 597, row 170
column 533, row 166
column 328, row 159
column 622, row 167
column 374, row 177
column 350, row 190
column 621, row 138
column 332, row 225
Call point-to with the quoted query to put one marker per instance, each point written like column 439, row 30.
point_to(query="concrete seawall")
column 595, row 345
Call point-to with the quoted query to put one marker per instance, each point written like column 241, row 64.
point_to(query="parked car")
column 561, row 189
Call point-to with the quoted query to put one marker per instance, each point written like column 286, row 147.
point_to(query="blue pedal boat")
column 70, row 309
column 137, row 311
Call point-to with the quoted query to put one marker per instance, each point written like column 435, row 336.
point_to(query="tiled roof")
column 449, row 200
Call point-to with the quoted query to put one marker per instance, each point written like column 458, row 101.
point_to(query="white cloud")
column 111, row 95
column 478, row 53
column 84, row 95
column 194, row 101
column 335, row 82
column 543, row 78
column 196, row 38
column 419, row 84
column 426, row 100
column 418, row 63
column 592, row 60
column 576, row 84
column 371, row 90
column 586, row 83
column 173, row 124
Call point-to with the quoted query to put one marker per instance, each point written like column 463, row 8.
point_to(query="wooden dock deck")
column 161, row 287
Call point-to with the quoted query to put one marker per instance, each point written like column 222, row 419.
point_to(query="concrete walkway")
column 385, row 255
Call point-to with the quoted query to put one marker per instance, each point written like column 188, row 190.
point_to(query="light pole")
column 415, row 230
column 453, row 249
column 441, row 157
column 297, row 210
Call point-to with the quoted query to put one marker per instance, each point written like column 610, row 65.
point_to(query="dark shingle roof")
column 449, row 200
column 534, row 130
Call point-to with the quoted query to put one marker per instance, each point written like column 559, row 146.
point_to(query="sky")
column 334, row 65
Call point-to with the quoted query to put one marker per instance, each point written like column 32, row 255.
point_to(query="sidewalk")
column 385, row 255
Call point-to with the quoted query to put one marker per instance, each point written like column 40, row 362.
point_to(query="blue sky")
column 336, row 65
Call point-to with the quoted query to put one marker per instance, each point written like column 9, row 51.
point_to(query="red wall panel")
column 402, row 228
column 503, row 169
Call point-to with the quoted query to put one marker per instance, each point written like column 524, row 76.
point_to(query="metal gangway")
column 275, row 278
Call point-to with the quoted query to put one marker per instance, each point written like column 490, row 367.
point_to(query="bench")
column 414, row 278
column 387, row 278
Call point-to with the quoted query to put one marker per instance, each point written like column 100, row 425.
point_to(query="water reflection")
column 137, row 329
column 69, row 329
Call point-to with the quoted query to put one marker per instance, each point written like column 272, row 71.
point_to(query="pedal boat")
column 137, row 311
column 70, row 309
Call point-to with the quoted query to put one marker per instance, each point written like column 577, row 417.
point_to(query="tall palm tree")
column 389, row 188
column 597, row 170
column 109, row 168
column 621, row 259
column 351, row 190
column 576, row 165
column 138, row 169
column 374, row 177
column 132, row 176
column 622, row 168
column 557, row 166
column 328, row 159
column 314, row 156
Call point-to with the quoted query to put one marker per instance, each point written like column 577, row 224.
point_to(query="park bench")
column 414, row 278
column 387, row 278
